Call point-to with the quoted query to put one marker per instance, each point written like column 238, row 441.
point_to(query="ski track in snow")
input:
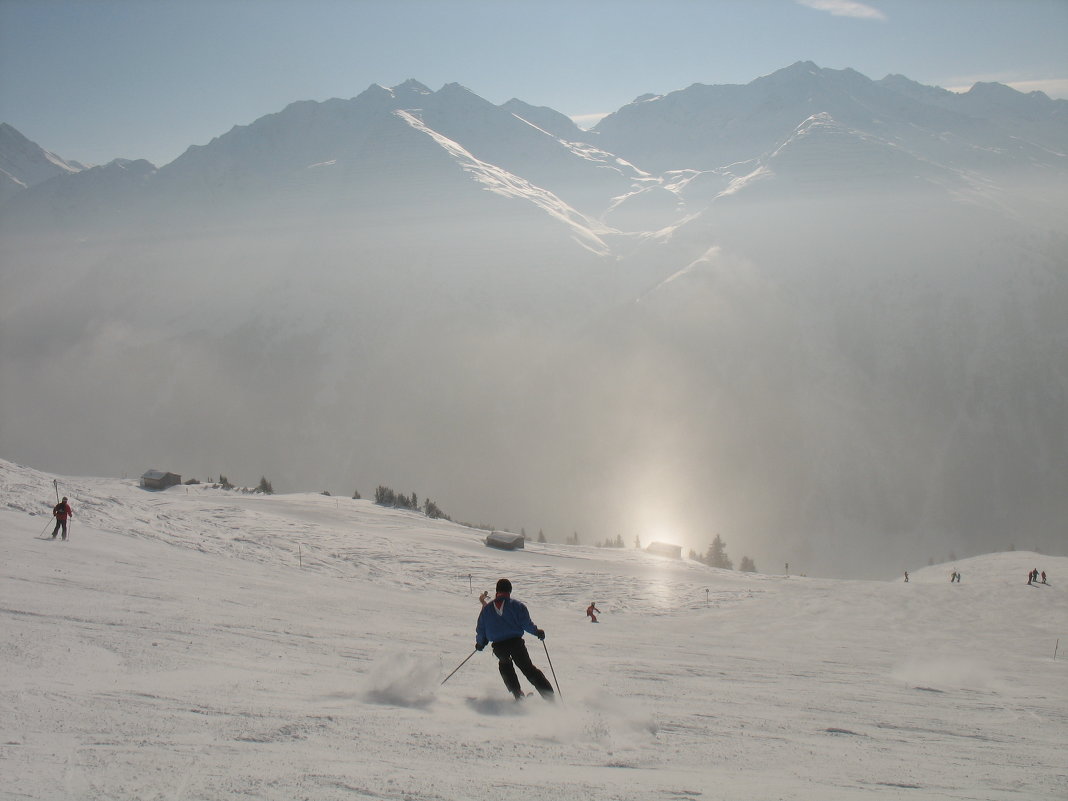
column 207, row 644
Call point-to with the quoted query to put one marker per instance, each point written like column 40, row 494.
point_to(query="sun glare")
column 662, row 534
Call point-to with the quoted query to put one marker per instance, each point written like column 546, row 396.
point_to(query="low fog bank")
column 853, row 387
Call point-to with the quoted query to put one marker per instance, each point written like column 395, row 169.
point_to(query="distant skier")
column 61, row 511
column 906, row 577
column 590, row 610
column 484, row 598
column 502, row 622
column 1043, row 576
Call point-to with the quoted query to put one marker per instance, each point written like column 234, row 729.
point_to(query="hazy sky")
column 97, row 79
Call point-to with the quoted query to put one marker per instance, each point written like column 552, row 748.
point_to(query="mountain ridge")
column 978, row 116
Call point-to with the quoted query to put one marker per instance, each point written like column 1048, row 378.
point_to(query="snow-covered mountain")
column 24, row 163
column 991, row 128
column 819, row 314
column 386, row 149
column 550, row 120
column 353, row 152
column 371, row 157
column 205, row 643
column 97, row 199
column 1033, row 116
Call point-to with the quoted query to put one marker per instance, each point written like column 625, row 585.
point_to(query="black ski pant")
column 512, row 654
column 60, row 521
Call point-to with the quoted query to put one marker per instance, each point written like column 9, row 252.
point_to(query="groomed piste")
column 198, row 643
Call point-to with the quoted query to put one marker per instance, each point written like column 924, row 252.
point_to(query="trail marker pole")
column 300, row 556
column 706, row 597
column 55, row 484
column 1055, row 649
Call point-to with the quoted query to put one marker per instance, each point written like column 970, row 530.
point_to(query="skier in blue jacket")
column 502, row 622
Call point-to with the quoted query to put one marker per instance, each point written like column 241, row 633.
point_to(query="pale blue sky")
column 94, row 80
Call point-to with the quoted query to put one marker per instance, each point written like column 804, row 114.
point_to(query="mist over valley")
column 819, row 315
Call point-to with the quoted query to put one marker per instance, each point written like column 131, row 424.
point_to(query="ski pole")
column 458, row 667
column 43, row 530
column 559, row 694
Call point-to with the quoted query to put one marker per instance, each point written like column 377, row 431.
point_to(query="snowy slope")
column 198, row 643
column 27, row 162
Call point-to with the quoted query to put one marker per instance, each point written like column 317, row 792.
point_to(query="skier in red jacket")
column 590, row 610
column 61, row 511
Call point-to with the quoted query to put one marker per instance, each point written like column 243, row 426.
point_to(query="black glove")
column 479, row 646
column 540, row 634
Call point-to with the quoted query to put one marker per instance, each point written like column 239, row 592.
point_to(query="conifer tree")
column 716, row 556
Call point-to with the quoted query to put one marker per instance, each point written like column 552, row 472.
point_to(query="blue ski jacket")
column 507, row 622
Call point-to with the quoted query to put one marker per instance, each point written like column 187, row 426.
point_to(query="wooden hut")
column 505, row 540
column 159, row 480
column 665, row 549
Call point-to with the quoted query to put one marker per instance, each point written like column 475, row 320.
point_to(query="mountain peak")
column 799, row 69
column 376, row 90
column 545, row 118
column 992, row 89
column 412, row 86
column 456, row 92
column 802, row 67
column 1001, row 93
column 26, row 162
column 820, row 119
column 998, row 96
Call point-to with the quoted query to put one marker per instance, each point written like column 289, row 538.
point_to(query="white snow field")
column 198, row 643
